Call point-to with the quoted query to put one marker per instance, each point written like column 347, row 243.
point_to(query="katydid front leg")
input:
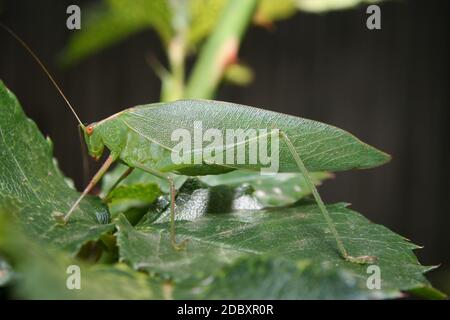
column 63, row 219
column 322, row 207
column 169, row 179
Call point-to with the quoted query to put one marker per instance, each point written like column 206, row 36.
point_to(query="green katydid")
column 141, row 137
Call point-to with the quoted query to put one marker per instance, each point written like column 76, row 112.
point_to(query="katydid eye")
column 89, row 130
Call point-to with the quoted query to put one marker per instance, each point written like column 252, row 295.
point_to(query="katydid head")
column 94, row 140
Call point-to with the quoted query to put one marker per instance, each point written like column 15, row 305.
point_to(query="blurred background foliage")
column 110, row 21
column 183, row 27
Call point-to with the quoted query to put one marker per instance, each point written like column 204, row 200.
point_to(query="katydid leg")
column 321, row 205
column 89, row 187
column 169, row 179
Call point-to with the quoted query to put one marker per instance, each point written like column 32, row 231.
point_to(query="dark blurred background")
column 389, row 87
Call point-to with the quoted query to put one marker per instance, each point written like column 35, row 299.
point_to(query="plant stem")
column 220, row 49
column 173, row 82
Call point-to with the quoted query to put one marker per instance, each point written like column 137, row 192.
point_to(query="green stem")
column 220, row 49
column 173, row 82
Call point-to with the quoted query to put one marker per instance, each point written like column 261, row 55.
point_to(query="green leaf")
column 265, row 277
column 269, row 11
column 271, row 190
column 33, row 188
column 196, row 199
column 274, row 246
column 137, row 177
column 44, row 272
column 122, row 198
column 113, row 21
column 203, row 16
column 132, row 200
column 45, row 278
column 297, row 233
column 146, row 193
column 238, row 74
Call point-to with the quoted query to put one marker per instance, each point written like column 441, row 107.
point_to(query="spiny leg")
column 121, row 178
column 322, row 207
column 169, row 179
column 92, row 183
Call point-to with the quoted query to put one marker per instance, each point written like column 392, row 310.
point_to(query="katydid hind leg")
column 177, row 246
column 169, row 179
column 64, row 218
column 321, row 205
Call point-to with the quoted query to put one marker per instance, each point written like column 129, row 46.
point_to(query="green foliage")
column 182, row 27
column 288, row 249
column 265, row 277
column 43, row 269
column 203, row 16
column 238, row 74
column 126, row 197
column 33, row 188
column 113, row 21
column 295, row 234
column 196, row 199
column 137, row 177
column 271, row 190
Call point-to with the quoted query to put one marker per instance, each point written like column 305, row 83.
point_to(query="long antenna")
column 35, row 57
